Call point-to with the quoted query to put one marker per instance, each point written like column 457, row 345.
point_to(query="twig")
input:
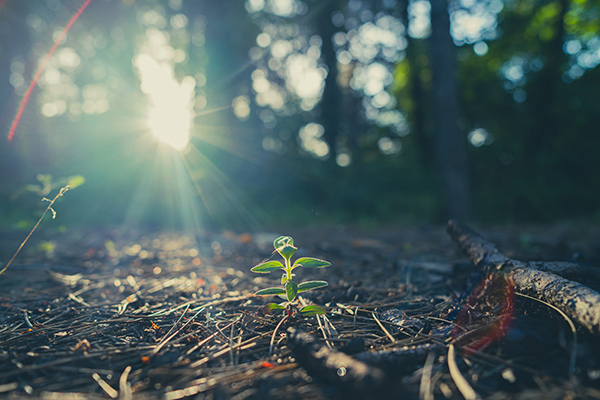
column 355, row 379
column 387, row 333
column 112, row 393
column 61, row 192
column 578, row 301
column 165, row 341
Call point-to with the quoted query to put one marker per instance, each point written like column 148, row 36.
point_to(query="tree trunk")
column 449, row 143
column 546, row 105
column 332, row 95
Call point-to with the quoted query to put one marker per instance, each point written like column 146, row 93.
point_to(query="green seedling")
column 284, row 245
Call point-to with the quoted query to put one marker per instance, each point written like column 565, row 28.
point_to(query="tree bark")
column 449, row 143
column 577, row 301
column 353, row 378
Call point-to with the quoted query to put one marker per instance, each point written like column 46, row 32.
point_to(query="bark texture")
column 537, row 279
column 353, row 378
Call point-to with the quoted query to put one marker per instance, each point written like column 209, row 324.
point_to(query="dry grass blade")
column 573, row 354
column 61, row 192
column 425, row 388
column 124, row 386
column 461, row 383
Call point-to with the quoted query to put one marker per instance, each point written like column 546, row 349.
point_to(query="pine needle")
column 461, row 383
column 573, row 357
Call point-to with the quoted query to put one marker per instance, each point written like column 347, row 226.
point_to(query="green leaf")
column 310, row 285
column 75, row 181
column 283, row 241
column 291, row 289
column 267, row 267
column 285, row 246
column 312, row 310
column 309, row 262
column 268, row 308
column 270, row 291
column 287, row 251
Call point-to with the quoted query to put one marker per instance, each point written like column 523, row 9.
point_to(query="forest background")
column 301, row 112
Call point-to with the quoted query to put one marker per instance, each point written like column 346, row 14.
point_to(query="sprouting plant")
column 284, row 245
column 60, row 193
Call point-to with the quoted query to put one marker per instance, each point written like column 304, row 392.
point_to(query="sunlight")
column 170, row 111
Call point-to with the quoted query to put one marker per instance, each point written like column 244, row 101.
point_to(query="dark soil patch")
column 168, row 316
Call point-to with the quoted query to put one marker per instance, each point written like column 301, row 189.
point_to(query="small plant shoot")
column 284, row 245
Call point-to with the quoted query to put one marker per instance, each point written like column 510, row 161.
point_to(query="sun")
column 170, row 112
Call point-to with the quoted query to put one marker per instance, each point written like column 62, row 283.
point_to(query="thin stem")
column 272, row 344
column 288, row 269
column 60, row 193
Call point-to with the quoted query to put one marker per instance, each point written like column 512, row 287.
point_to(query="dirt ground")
column 141, row 315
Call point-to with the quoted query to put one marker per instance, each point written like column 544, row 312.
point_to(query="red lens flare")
column 488, row 313
column 3, row 3
column 41, row 68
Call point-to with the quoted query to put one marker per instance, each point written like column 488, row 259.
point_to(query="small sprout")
column 284, row 245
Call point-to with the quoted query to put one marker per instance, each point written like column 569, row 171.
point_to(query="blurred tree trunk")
column 332, row 95
column 546, row 87
column 449, row 143
column 417, row 61
column 15, row 42
column 225, row 49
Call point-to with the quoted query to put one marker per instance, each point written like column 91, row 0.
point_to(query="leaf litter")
column 173, row 316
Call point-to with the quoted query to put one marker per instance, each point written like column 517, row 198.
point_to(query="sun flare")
column 170, row 113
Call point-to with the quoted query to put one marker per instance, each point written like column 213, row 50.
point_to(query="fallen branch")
column 354, row 379
column 537, row 279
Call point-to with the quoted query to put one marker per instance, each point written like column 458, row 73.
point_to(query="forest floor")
column 140, row 315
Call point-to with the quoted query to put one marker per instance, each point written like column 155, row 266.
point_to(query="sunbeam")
column 216, row 190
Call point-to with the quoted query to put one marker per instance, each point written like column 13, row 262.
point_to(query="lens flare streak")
column 41, row 68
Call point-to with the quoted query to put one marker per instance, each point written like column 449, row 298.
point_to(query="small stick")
column 112, row 393
column 387, row 333
column 61, row 192
column 27, row 320
column 329, row 345
column 578, row 301
column 165, row 341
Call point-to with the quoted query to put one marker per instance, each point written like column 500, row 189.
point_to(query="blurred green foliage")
column 528, row 99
